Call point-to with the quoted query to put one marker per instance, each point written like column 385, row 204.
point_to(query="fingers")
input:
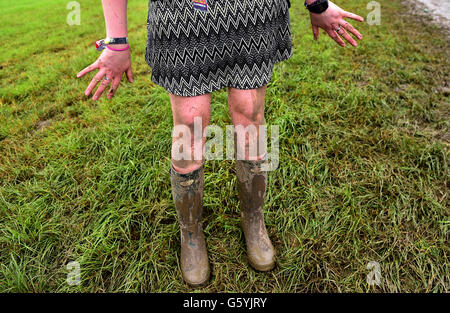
column 88, row 69
column 347, row 37
column 114, row 86
column 353, row 16
column 102, row 87
column 315, row 30
column 130, row 75
column 335, row 37
column 98, row 77
column 351, row 29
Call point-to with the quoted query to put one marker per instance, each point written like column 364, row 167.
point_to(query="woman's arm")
column 332, row 21
column 111, row 64
column 115, row 12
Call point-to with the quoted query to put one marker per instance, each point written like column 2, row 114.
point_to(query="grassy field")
column 363, row 171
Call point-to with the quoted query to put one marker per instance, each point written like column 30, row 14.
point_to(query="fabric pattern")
column 196, row 47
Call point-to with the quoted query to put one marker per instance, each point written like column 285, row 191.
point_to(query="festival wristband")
column 102, row 43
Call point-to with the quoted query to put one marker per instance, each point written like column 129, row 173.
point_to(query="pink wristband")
column 124, row 49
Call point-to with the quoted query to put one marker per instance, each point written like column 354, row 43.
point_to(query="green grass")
column 363, row 163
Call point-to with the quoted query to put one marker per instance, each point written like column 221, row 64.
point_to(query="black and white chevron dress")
column 196, row 47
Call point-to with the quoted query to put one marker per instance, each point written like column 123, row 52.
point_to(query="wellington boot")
column 252, row 181
column 187, row 191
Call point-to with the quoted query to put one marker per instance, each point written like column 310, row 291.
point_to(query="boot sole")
column 200, row 284
column 262, row 268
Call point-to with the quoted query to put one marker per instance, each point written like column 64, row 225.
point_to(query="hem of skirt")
column 218, row 88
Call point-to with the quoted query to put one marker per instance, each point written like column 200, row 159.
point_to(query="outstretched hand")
column 111, row 66
column 332, row 21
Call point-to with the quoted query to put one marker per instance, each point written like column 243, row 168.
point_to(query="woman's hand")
column 332, row 21
column 111, row 66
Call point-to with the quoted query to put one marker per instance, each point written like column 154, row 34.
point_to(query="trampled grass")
column 363, row 170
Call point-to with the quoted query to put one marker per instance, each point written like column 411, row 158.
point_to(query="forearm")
column 115, row 12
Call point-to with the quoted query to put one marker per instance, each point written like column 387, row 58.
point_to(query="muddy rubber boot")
column 252, row 181
column 187, row 191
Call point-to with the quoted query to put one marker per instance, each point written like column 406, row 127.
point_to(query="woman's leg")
column 247, row 109
column 185, row 111
column 187, row 183
column 247, row 113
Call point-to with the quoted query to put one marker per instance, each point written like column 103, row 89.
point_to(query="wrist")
column 118, row 48
column 115, row 41
column 116, row 34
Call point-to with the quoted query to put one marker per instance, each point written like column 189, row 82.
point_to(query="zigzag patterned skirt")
column 196, row 47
